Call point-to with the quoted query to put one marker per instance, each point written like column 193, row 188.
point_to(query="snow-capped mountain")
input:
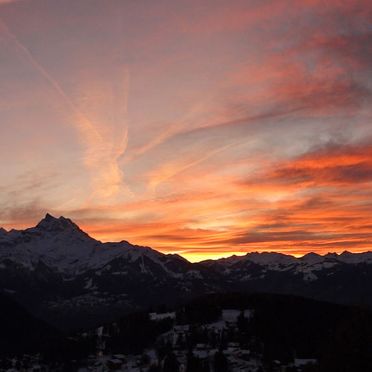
column 306, row 265
column 55, row 267
column 63, row 275
column 344, row 278
column 61, row 245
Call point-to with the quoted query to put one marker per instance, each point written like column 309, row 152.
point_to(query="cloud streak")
column 247, row 126
column 101, row 155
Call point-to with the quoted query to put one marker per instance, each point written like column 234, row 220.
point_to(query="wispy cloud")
column 247, row 126
column 102, row 153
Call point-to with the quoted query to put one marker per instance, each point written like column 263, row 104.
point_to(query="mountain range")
column 62, row 275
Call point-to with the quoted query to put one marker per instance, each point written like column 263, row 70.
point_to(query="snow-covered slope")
column 55, row 268
column 64, row 276
column 61, row 245
column 273, row 261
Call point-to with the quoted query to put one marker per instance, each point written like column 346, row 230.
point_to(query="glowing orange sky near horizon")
column 203, row 128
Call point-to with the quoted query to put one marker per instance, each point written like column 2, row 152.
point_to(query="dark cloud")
column 333, row 165
column 303, row 237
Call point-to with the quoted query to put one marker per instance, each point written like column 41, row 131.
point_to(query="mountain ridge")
column 64, row 276
column 53, row 224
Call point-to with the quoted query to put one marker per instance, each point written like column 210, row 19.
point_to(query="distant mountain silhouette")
column 64, row 276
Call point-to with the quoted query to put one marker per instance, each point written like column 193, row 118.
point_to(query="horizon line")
column 215, row 257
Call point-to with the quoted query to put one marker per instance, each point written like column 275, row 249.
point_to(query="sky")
column 200, row 127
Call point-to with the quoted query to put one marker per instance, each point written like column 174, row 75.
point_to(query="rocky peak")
column 311, row 258
column 53, row 224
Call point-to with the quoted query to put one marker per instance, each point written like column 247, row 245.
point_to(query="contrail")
column 155, row 182
column 87, row 124
column 100, row 155
column 168, row 133
column 124, row 138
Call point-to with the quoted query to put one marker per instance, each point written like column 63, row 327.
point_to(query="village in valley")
column 184, row 342
column 222, row 345
column 188, row 347
column 219, row 346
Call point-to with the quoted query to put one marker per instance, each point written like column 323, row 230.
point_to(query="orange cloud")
column 246, row 127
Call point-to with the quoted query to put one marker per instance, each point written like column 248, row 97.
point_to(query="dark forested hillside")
column 20, row 331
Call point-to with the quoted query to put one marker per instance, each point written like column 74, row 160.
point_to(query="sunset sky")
column 198, row 127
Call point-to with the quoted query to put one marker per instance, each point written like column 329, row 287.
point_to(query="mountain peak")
column 311, row 258
column 331, row 255
column 51, row 223
column 346, row 253
column 267, row 258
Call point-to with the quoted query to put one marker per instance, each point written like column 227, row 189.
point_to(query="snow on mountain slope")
column 69, row 279
column 64, row 276
column 62, row 245
column 255, row 265
column 272, row 260
column 355, row 258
